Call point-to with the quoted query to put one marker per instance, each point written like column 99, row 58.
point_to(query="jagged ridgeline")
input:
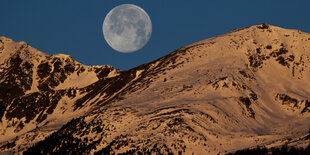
column 240, row 90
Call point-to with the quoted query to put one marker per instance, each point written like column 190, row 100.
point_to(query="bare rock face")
column 247, row 88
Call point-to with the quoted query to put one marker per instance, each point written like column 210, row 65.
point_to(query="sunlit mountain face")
column 246, row 88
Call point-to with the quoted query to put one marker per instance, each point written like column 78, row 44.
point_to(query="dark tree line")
column 284, row 150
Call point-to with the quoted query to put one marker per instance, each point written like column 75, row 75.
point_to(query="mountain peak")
column 9, row 49
column 246, row 88
column 5, row 39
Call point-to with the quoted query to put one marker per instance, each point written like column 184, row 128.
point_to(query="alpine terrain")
column 247, row 88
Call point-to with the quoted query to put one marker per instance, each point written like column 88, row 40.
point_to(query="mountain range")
column 247, row 88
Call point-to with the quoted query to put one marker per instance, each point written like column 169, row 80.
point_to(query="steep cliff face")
column 246, row 88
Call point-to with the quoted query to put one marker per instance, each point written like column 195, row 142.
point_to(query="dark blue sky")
column 74, row 27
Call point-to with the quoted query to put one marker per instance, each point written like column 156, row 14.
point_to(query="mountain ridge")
column 232, row 69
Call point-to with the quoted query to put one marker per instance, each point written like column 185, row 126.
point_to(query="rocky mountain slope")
column 246, row 88
column 37, row 92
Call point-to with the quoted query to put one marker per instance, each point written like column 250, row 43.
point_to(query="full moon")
column 127, row 28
